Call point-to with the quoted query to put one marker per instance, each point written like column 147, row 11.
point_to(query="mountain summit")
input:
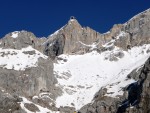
column 77, row 69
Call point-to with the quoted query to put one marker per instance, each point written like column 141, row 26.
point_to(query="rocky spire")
column 74, row 22
column 69, row 39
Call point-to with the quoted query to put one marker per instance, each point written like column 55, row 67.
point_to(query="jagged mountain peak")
column 70, row 39
column 74, row 22
column 71, row 24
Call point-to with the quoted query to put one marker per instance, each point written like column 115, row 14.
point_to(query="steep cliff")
column 73, row 38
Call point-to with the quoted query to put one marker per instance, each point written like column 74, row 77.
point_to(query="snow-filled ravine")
column 81, row 76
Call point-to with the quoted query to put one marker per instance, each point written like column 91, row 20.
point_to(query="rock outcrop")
column 137, row 31
column 22, row 39
column 9, row 103
column 70, row 39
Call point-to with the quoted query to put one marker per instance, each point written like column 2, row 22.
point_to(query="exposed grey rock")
column 67, row 39
column 55, row 48
column 9, row 103
column 23, row 40
column 31, row 107
column 29, row 52
column 31, row 82
column 138, row 30
column 66, row 109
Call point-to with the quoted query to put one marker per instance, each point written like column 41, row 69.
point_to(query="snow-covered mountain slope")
column 81, row 76
column 20, row 59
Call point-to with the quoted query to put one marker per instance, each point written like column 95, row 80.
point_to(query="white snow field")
column 18, row 59
column 81, row 76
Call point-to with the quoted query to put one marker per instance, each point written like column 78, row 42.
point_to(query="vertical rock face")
column 69, row 39
column 30, row 82
column 137, row 30
column 73, row 38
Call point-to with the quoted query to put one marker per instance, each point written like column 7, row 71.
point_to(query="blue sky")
column 43, row 17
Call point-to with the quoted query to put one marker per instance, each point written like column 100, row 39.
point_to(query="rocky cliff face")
column 133, row 33
column 28, row 78
column 22, row 39
column 25, row 72
column 73, row 38
column 137, row 30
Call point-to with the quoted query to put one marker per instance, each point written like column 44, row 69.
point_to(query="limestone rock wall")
column 30, row 82
column 73, row 38
column 70, row 39
column 22, row 39
column 137, row 30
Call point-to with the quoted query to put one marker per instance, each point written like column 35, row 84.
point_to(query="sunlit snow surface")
column 81, row 76
column 19, row 59
column 15, row 34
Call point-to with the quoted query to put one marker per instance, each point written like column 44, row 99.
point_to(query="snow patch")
column 15, row 34
column 92, row 46
column 121, row 34
column 19, row 59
